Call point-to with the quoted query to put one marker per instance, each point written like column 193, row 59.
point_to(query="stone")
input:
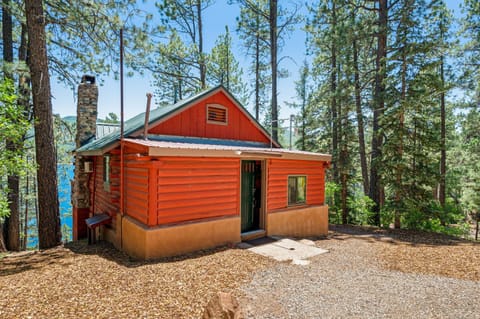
column 223, row 306
column 86, row 128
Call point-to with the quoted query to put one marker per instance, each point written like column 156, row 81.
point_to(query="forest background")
column 390, row 88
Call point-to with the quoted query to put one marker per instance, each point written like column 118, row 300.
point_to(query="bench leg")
column 89, row 234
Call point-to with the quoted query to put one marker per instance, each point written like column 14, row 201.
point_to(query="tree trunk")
column 304, row 104
column 333, row 92
column 273, row 56
column 12, row 222
column 443, row 148
column 257, row 68
column 343, row 160
column 401, row 124
column 360, row 125
column 379, row 104
column 25, row 228
column 49, row 232
column 7, row 37
column 203, row 68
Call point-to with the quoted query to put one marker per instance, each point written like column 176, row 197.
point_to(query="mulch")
column 81, row 281
column 98, row 281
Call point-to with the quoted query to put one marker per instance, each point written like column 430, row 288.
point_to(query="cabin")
column 197, row 174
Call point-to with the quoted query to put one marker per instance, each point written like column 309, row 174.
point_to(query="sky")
column 215, row 18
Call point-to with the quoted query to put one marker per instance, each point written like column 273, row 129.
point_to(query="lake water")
column 65, row 175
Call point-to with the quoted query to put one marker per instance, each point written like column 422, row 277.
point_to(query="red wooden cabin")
column 205, row 175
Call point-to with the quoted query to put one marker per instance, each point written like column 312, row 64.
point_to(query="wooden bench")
column 95, row 221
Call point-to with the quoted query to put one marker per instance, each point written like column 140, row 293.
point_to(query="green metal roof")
column 136, row 124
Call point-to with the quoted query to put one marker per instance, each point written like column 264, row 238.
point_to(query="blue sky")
column 216, row 18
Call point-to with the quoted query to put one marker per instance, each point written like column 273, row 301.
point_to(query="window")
column 216, row 114
column 106, row 171
column 297, row 190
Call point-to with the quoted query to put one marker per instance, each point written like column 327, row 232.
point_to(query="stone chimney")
column 86, row 110
column 86, row 130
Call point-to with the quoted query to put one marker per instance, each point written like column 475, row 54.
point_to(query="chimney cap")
column 88, row 79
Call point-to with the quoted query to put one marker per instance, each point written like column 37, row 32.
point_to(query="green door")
column 250, row 204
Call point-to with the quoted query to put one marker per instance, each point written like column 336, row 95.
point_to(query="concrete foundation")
column 301, row 222
column 142, row 242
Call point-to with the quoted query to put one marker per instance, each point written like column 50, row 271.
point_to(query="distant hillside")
column 70, row 119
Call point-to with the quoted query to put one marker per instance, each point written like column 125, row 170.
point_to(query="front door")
column 251, row 198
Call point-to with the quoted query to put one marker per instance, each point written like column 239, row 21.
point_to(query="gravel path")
column 354, row 281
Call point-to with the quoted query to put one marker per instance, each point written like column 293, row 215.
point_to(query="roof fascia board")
column 98, row 152
column 180, row 152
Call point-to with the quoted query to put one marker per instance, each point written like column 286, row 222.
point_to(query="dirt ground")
column 81, row 281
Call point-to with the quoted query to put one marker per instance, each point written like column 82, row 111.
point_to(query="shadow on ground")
column 395, row 236
column 65, row 255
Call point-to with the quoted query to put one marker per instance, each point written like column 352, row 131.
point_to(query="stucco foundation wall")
column 110, row 234
column 302, row 222
column 142, row 242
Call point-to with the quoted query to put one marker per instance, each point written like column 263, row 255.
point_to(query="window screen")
column 297, row 190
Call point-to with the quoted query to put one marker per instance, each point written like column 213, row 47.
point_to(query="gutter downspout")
column 94, row 175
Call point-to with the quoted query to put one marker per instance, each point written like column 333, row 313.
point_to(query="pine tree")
column 302, row 91
column 49, row 233
column 185, row 16
column 471, row 50
column 224, row 69
column 253, row 31
column 173, row 71
column 279, row 22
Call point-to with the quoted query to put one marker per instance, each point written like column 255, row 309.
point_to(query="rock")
column 223, row 306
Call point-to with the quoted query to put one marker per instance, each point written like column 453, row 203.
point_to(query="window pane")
column 106, row 169
column 292, row 192
column 297, row 189
column 301, row 189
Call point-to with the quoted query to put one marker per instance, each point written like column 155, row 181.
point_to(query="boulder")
column 223, row 306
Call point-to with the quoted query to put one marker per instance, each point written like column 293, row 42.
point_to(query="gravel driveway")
column 353, row 280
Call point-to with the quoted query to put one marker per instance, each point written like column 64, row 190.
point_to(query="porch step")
column 259, row 233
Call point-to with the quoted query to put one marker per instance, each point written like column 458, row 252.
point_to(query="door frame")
column 263, row 202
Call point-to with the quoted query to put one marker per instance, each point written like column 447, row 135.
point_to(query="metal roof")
column 105, row 129
column 134, row 126
column 213, row 149
column 205, row 141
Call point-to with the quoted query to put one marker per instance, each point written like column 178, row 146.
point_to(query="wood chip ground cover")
column 81, row 281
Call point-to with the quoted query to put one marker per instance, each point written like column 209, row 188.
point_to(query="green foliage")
column 331, row 193
column 360, row 209
column 83, row 36
column 253, row 31
column 174, row 75
column 223, row 68
column 66, row 233
column 13, row 127
column 469, row 53
column 111, row 118
column 433, row 218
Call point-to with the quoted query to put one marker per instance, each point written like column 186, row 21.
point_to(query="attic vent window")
column 216, row 114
